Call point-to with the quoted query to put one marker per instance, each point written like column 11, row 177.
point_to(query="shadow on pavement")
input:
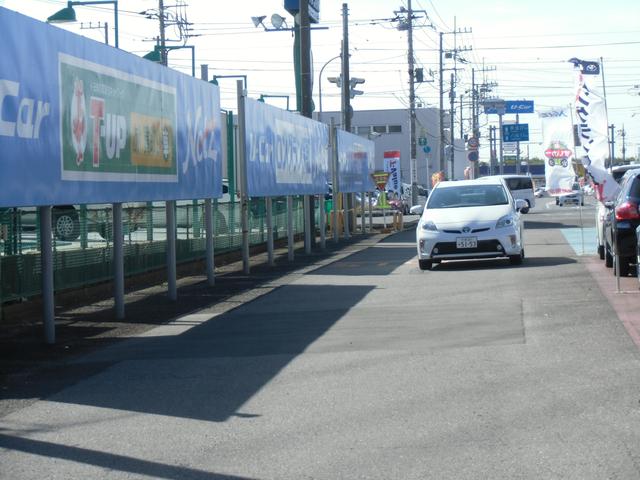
column 209, row 371
column 108, row 461
column 380, row 259
column 501, row 263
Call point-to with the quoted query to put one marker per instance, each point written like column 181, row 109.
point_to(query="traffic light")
column 337, row 80
column 353, row 81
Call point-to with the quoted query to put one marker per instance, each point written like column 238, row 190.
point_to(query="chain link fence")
column 83, row 239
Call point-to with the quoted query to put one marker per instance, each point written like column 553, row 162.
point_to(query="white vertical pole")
column 363, row 218
column 370, row 212
column 269, row 205
column 242, row 170
column 345, row 216
column 290, row 238
column 208, row 226
column 323, row 223
column 307, row 224
column 172, row 288
column 334, row 180
column 46, row 265
column 118, row 261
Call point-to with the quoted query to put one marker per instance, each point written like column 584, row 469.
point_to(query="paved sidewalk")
column 30, row 369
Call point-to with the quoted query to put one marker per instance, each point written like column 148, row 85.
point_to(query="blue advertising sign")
column 82, row 122
column 513, row 107
column 293, row 7
column 515, row 132
column 356, row 157
column 286, row 153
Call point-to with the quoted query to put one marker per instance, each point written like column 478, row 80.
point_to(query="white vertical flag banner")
column 591, row 114
column 392, row 166
column 557, row 134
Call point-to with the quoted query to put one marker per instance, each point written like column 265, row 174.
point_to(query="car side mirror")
column 521, row 204
column 416, row 210
column 610, row 205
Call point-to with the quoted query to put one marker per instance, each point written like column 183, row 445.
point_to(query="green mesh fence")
column 83, row 240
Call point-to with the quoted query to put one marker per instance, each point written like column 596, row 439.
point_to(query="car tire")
column 221, row 226
column 601, row 252
column 526, row 209
column 625, row 267
column 425, row 264
column 517, row 259
column 608, row 257
column 66, row 224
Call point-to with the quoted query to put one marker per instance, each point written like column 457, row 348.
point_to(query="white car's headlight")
column 506, row 221
column 429, row 225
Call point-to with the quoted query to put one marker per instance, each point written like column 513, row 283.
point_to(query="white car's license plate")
column 466, row 242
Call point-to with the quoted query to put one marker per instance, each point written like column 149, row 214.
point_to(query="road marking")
column 582, row 240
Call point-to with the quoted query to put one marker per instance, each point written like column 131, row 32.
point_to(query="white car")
column 576, row 197
column 470, row 219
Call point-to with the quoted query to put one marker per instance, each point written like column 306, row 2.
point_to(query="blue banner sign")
column 82, row 122
column 286, row 154
column 512, row 107
column 515, row 132
column 355, row 163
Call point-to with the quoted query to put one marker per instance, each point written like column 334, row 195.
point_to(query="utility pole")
column 346, row 76
column 306, row 108
column 412, row 110
column 441, row 111
column 406, row 23
column 612, row 146
column 163, row 51
column 623, row 133
column 452, row 99
column 453, row 53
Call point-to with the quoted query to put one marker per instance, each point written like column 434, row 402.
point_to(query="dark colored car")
column 620, row 223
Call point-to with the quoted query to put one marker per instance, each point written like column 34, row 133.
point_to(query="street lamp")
column 215, row 78
column 320, row 85
column 264, row 95
column 156, row 55
column 68, row 14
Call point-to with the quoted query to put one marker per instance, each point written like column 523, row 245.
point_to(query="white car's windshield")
column 467, row 196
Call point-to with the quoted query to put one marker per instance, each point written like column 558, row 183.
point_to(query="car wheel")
column 425, row 264
column 517, row 259
column 66, row 224
column 221, row 226
column 601, row 252
column 608, row 258
column 625, row 268
column 526, row 209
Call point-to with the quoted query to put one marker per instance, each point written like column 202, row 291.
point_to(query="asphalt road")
column 362, row 366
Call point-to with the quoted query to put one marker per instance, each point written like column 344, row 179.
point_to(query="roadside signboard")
column 356, row 157
column 512, row 106
column 83, row 122
column 473, row 143
column 515, row 132
column 286, row 153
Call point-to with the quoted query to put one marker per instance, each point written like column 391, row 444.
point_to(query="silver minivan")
column 521, row 186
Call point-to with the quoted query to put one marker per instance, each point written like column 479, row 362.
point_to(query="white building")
column 389, row 129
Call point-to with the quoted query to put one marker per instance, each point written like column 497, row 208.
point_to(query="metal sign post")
column 46, row 261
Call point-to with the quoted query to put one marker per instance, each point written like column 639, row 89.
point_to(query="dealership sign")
column 105, row 126
column 286, row 154
column 355, row 163
column 511, row 106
